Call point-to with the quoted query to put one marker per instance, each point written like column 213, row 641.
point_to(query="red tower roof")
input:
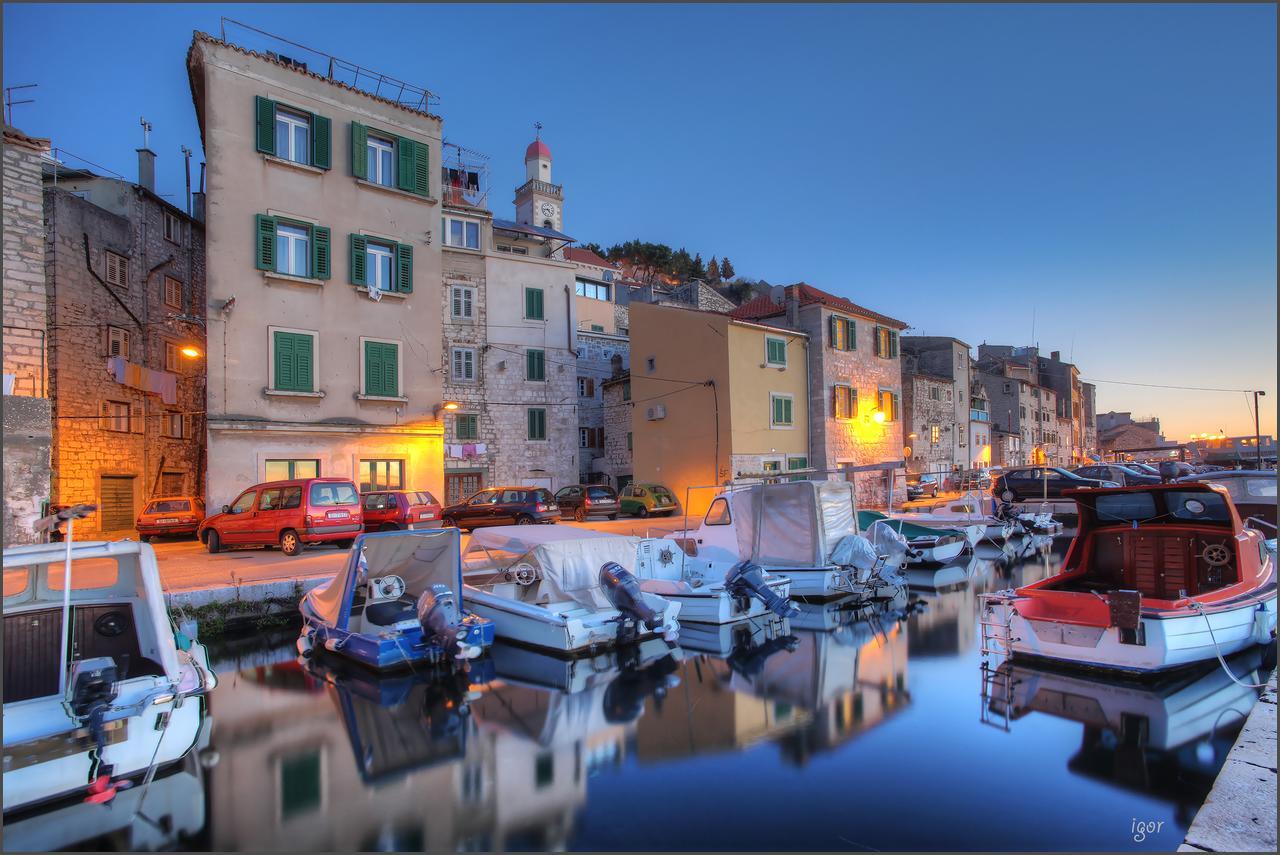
column 537, row 149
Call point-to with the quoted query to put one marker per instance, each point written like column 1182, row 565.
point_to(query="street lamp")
column 191, row 352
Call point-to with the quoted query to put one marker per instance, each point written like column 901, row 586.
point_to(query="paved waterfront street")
column 185, row 565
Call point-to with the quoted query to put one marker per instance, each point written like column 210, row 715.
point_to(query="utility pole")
column 1257, row 431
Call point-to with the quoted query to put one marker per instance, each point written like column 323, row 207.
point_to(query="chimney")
column 147, row 169
column 197, row 206
column 1056, row 356
column 793, row 307
column 777, row 294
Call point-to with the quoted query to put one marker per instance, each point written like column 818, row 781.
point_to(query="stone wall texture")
column 25, row 326
column 600, row 358
column 27, row 444
column 616, row 460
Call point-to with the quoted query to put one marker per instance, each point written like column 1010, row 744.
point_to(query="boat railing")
column 1270, row 525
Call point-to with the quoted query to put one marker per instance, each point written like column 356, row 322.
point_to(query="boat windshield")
column 1179, row 506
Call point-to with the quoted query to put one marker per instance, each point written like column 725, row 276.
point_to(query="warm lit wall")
column 752, row 383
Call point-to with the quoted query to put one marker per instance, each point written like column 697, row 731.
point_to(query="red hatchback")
column 397, row 510
column 290, row 514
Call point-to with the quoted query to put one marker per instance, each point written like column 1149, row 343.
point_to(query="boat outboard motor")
column 747, row 579
column 625, row 696
column 623, row 590
column 441, row 622
column 1168, row 471
column 91, row 689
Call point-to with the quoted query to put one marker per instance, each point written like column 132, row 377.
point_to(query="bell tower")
column 538, row 201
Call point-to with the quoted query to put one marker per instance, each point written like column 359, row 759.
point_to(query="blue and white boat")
column 396, row 603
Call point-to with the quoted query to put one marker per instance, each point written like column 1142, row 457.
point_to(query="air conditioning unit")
column 657, row 411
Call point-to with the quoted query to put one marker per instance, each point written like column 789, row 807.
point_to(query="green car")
column 640, row 500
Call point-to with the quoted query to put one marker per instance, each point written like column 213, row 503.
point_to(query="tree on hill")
column 696, row 268
column 713, row 270
column 596, row 248
column 726, row 268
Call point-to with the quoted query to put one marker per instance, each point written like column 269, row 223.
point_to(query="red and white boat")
column 1157, row 577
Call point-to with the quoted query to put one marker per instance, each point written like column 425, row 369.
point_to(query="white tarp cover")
column 854, row 550
column 887, row 542
column 420, row 558
column 839, row 516
column 570, row 569
column 800, row 522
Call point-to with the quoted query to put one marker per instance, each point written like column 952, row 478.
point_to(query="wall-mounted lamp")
column 878, row 417
column 191, row 352
column 447, row 405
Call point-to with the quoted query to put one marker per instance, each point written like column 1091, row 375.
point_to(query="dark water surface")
column 863, row 729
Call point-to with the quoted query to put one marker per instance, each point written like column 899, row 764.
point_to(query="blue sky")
column 1108, row 172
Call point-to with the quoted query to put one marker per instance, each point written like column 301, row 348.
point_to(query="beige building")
column 325, row 354
column 715, row 399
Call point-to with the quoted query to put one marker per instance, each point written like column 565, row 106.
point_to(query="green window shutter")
column 533, row 303
column 286, row 377
column 879, row 348
column 265, row 111
column 833, row 332
column 893, row 345
column 320, row 252
column 537, row 423
column 359, row 260
column 422, row 169
column 467, row 427
column 321, row 142
column 293, row 362
column 853, row 403
column 894, row 406
column 404, row 268
column 265, row 240
column 786, row 409
column 851, row 334
column 381, row 369
column 406, row 169
column 777, row 351
column 797, row 463
column 535, row 365
column 359, row 153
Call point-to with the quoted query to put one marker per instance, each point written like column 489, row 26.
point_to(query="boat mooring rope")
column 1199, row 609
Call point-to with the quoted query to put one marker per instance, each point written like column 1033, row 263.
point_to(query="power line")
column 1164, row 386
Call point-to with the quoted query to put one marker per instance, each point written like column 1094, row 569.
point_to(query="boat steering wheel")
column 523, row 574
column 388, row 587
column 1216, row 555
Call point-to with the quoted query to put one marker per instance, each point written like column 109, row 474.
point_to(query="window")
column 933, row 393
column 935, row 434
column 244, row 502
column 381, row 161
column 780, row 410
column 535, row 364
column 597, row 328
column 293, row 361
column 771, row 465
column 533, row 304
column 381, row 475
column 115, row 416
column 461, row 233
column 381, row 368
column 651, row 364
column 886, row 343
column 626, row 390
column 846, row 402
column 292, row 248
column 628, row 440
column 1022, row 412
column 462, row 301
column 117, row 270
column 794, row 463
column 173, row 293
column 775, row 351
column 586, row 387
column 960, row 435
column 292, row 134
column 385, row 265
column 172, row 357
column 889, row 405
column 300, row 784
column 585, row 436
column 463, row 360
column 842, row 332
column 290, row 470
column 466, row 426
column 514, row 250
column 379, row 262
column 592, row 290
column 718, row 513
column 948, row 395
column 117, row 342
column 172, row 227
column 537, row 423
column 171, row 425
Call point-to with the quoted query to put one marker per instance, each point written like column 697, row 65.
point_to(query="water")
column 863, row 729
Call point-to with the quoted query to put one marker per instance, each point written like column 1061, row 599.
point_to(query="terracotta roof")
column 537, row 148
column 764, row 307
column 205, row 37
column 586, row 256
column 13, row 136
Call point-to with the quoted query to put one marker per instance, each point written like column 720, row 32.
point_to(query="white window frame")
column 115, row 417
column 167, row 423
column 293, row 121
column 447, row 228
column 120, row 336
column 399, row 362
column 462, row 296
column 772, row 338
column 453, row 364
column 290, row 235
column 315, row 358
column 172, row 228
column 592, row 290
column 117, row 270
column 172, row 357
column 374, row 250
column 380, row 146
column 774, row 396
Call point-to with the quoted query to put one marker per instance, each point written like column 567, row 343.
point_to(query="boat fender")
column 747, row 579
column 623, row 590
column 306, row 645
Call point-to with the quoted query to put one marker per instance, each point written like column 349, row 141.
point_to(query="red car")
column 290, row 514
column 396, row 510
column 172, row 515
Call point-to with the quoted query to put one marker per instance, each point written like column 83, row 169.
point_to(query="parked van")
column 290, row 514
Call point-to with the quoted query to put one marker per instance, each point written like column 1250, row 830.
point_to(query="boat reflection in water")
column 164, row 814
column 1166, row 739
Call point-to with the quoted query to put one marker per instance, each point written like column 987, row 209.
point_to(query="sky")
column 1097, row 180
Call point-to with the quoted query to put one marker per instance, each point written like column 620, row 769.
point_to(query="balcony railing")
column 979, row 416
column 545, row 188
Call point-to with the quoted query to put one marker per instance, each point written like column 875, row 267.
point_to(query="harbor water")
column 854, row 727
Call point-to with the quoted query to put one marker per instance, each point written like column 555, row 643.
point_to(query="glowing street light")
column 191, row 352
column 878, row 417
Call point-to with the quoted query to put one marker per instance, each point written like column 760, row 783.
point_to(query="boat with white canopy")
column 553, row 588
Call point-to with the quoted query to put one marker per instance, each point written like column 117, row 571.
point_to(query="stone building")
column 980, row 437
column 324, row 248
column 28, row 427
column 1022, row 404
column 1089, row 414
column 615, row 461
column 855, row 384
column 1064, row 379
column 940, row 419
column 126, row 283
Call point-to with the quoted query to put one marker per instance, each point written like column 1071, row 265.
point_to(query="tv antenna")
column 146, row 132
column 9, row 103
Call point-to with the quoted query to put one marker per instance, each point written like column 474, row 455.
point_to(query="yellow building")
column 714, row 399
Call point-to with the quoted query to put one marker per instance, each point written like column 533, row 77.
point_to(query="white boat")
column 972, row 512
column 927, row 544
column 544, row 586
column 122, row 700
column 806, row 531
column 709, row 592
column 1157, row 577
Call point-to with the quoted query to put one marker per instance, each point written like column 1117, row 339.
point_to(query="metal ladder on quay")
column 996, row 640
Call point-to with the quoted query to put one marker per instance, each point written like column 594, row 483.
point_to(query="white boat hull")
column 715, row 605
column 1170, row 642
column 573, row 631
